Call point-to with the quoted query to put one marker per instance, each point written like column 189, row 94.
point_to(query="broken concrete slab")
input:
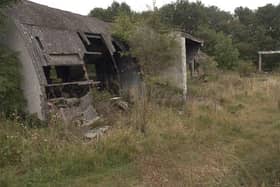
column 96, row 132
column 119, row 103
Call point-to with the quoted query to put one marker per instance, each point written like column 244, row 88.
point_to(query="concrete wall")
column 177, row 74
column 30, row 80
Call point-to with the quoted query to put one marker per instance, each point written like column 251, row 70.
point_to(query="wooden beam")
column 268, row 52
column 192, row 70
column 80, row 83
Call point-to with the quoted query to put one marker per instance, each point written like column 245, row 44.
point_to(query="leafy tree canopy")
column 111, row 12
column 248, row 30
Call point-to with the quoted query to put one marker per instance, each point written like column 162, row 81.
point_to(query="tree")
column 123, row 27
column 220, row 46
column 246, row 30
column 245, row 16
column 226, row 55
column 111, row 12
column 183, row 14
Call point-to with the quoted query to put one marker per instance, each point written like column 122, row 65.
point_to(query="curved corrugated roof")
column 35, row 14
column 55, row 30
column 52, row 36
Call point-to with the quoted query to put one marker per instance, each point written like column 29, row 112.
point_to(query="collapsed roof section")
column 62, row 48
column 57, row 29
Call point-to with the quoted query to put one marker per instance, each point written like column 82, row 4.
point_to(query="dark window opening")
column 91, row 68
column 39, row 43
column 270, row 63
column 63, row 74
column 99, row 71
column 99, row 62
column 66, row 82
column 128, row 67
column 192, row 49
column 96, row 43
column 67, row 91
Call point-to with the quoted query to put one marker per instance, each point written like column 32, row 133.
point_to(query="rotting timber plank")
column 75, row 83
column 93, row 53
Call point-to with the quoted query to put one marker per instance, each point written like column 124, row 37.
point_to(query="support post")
column 192, row 73
column 260, row 62
column 184, row 67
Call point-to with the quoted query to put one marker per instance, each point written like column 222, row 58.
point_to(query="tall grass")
column 228, row 135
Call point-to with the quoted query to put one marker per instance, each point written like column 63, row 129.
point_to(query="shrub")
column 225, row 53
column 11, row 95
column 32, row 121
column 221, row 47
column 208, row 67
column 153, row 50
column 246, row 68
column 123, row 27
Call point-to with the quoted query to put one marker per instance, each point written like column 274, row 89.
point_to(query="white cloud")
column 84, row 6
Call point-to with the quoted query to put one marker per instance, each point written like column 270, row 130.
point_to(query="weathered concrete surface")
column 30, row 80
column 176, row 75
column 184, row 67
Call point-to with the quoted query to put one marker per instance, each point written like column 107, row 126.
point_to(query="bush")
column 153, row 50
column 123, row 27
column 221, row 47
column 246, row 68
column 225, row 53
column 11, row 95
column 208, row 66
column 32, row 121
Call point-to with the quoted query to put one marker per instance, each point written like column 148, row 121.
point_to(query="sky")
column 84, row 6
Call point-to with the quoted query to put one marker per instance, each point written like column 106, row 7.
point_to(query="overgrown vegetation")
column 111, row 12
column 246, row 31
column 221, row 47
column 11, row 96
column 225, row 138
column 154, row 50
column 227, row 135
